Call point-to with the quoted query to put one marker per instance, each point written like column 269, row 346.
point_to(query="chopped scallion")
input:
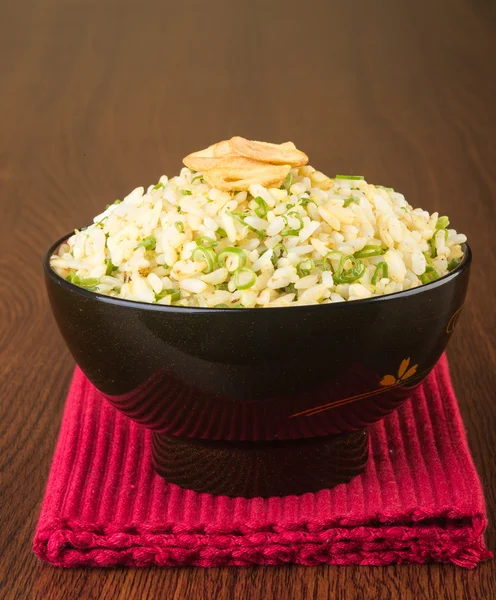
column 110, row 267
column 263, row 207
column 381, row 271
column 186, row 193
column 289, row 230
column 222, row 232
column 368, row 251
column 229, row 254
column 288, row 182
column 174, row 294
column 432, row 246
column 453, row 263
column 350, row 177
column 197, row 177
column 442, row 223
column 306, row 201
column 158, row 186
column 430, row 275
column 149, row 243
column 351, row 200
column 207, row 255
column 326, row 265
column 179, row 226
column 244, row 278
column 241, row 218
column 88, row 283
column 206, row 242
column 305, row 267
column 351, row 274
column 275, row 252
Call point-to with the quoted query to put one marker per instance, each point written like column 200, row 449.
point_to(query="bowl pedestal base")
column 275, row 468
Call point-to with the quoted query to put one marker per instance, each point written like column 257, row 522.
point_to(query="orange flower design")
column 404, row 373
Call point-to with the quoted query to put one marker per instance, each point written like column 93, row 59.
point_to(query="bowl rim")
column 71, row 287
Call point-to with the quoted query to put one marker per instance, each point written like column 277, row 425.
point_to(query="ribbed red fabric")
column 420, row 499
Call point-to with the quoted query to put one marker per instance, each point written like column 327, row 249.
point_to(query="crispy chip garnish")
column 275, row 154
column 237, row 163
column 200, row 163
column 237, row 173
column 207, row 158
column 222, row 148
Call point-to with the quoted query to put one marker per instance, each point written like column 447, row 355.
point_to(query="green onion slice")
column 442, row 223
column 179, row 226
column 199, row 176
column 241, row 218
column 88, row 283
column 288, row 181
column 207, row 255
column 350, row 177
column 244, row 278
column 149, row 243
column 453, row 263
column 381, row 272
column 351, row 274
column 428, row 258
column 289, row 230
column 206, row 242
column 432, row 246
column 351, row 200
column 110, row 267
column 263, row 207
column 186, row 193
column 158, row 186
column 230, row 254
column 306, row 201
column 174, row 294
column 275, row 252
column 305, row 267
column 368, row 251
column 326, row 264
column 430, row 275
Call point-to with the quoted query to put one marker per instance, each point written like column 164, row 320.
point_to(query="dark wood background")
column 98, row 96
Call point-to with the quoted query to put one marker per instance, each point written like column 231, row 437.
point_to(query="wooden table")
column 98, row 96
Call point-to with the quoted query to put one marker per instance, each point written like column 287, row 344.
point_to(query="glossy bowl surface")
column 258, row 374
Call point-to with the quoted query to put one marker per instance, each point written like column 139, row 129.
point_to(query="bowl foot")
column 275, row 468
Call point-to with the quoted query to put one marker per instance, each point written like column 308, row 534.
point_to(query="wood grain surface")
column 98, row 96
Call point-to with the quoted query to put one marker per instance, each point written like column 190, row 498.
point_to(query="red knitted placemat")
column 419, row 500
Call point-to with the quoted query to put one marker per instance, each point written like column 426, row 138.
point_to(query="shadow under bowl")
column 258, row 402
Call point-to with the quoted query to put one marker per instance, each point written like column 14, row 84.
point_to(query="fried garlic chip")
column 235, row 164
column 206, row 159
column 275, row 154
column 237, row 173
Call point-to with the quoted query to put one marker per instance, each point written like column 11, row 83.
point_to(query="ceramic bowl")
column 240, row 400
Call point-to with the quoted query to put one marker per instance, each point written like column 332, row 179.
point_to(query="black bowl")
column 240, row 400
